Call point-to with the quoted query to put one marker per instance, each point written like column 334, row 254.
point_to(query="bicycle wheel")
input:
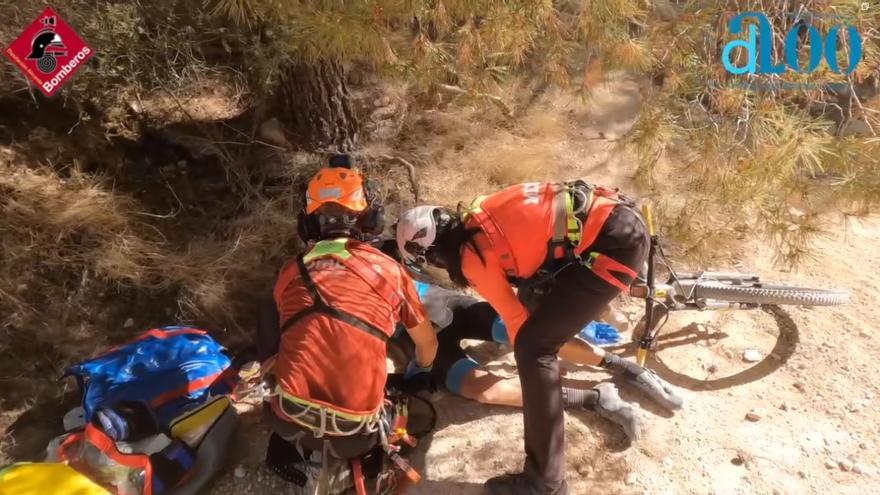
column 770, row 294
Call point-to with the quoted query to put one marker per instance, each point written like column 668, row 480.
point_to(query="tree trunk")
column 315, row 104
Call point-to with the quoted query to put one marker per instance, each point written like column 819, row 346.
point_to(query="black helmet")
column 42, row 42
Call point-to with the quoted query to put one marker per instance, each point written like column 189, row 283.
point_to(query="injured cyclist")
column 458, row 316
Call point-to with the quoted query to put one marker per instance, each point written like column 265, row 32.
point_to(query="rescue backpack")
column 155, row 417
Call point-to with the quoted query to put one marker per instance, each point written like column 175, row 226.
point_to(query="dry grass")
column 238, row 268
column 55, row 224
column 470, row 154
column 72, row 252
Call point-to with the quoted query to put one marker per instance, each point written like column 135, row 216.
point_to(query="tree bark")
column 315, row 104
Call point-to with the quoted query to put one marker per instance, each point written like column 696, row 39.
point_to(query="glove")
column 499, row 332
column 599, row 334
column 413, row 369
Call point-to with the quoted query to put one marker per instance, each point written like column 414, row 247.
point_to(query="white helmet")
column 417, row 231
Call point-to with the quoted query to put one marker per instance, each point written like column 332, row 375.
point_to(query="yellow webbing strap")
column 474, row 208
column 648, row 214
column 335, row 248
column 573, row 224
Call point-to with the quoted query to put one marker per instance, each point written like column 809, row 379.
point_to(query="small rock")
column 830, row 463
column 713, row 368
column 857, row 468
column 800, row 386
column 856, row 127
column 784, row 406
column 631, row 479
column 240, row 471
column 128, row 323
column 753, row 416
column 583, row 470
column 273, row 132
column 752, row 356
column 864, row 334
column 845, row 465
column 802, row 475
column 863, row 446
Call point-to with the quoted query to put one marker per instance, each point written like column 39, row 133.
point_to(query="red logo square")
column 49, row 52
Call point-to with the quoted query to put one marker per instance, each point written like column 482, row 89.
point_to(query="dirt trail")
column 813, row 393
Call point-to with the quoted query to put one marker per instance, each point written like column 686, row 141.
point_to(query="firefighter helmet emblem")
column 47, row 46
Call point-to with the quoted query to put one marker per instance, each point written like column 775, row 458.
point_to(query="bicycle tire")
column 770, row 294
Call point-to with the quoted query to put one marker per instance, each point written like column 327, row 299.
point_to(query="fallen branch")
column 504, row 107
column 411, row 171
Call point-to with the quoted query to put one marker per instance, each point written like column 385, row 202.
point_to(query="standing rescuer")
column 569, row 249
column 335, row 306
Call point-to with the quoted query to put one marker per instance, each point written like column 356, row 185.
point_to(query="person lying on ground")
column 458, row 317
column 335, row 307
column 569, row 249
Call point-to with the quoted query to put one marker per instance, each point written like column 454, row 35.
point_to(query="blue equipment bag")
column 171, row 369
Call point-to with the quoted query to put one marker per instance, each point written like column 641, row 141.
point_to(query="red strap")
column 596, row 218
column 156, row 333
column 71, row 439
column 358, row 474
column 497, row 242
column 604, row 266
column 377, row 281
column 189, row 388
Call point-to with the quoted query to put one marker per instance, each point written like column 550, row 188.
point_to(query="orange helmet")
column 342, row 186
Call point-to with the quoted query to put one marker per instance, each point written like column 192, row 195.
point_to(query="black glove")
column 420, row 382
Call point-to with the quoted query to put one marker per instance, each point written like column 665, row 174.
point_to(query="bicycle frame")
column 679, row 291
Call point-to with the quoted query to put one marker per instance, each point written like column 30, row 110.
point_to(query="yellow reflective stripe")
column 574, row 226
column 314, row 405
column 335, row 247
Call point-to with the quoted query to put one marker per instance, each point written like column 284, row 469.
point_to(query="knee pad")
column 499, row 332
column 457, row 373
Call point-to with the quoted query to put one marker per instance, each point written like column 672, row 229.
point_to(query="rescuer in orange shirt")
column 335, row 307
column 569, row 249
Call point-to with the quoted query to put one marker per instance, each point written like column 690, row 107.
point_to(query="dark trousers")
column 575, row 297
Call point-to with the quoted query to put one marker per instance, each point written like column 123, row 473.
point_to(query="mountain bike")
column 705, row 290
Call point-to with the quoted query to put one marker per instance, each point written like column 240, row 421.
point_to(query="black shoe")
column 518, row 484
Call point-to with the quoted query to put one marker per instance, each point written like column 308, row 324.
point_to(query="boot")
column 611, row 407
column 518, row 484
column 645, row 380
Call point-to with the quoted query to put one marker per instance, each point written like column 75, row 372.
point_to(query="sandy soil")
column 814, row 427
